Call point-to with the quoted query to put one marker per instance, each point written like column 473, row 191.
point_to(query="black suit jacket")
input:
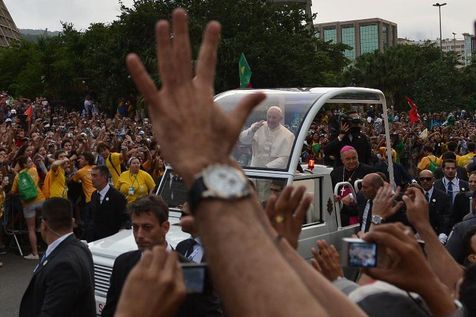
column 63, row 285
column 194, row 305
column 439, row 211
column 107, row 218
column 184, row 246
column 460, row 172
column 456, row 239
column 461, row 207
column 463, row 187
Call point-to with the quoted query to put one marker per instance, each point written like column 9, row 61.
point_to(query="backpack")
column 26, row 186
column 432, row 166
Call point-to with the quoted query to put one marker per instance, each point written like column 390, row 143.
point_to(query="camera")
column 351, row 121
column 195, row 277
column 358, row 253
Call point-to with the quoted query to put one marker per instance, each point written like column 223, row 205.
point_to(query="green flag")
column 245, row 72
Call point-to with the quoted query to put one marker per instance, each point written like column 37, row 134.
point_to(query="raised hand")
column 326, row 260
column 287, row 212
column 183, row 113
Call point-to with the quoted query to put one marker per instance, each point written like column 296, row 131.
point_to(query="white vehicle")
column 300, row 107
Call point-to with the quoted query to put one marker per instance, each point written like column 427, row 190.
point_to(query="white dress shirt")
column 102, row 193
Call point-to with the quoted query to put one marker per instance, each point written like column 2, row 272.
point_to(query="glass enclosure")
column 269, row 134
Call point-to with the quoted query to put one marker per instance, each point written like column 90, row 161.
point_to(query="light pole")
column 439, row 5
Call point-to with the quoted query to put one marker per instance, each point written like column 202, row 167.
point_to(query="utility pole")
column 454, row 42
column 439, row 5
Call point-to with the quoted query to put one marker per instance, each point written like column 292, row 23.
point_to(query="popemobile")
column 298, row 108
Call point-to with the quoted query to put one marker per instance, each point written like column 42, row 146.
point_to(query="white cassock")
column 271, row 148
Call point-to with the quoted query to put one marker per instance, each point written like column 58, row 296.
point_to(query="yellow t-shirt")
column 135, row 186
column 465, row 159
column 425, row 162
column 58, row 186
column 34, row 175
column 115, row 167
column 84, row 175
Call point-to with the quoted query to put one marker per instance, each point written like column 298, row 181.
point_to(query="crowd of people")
column 56, row 165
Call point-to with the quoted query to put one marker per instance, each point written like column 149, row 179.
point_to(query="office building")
column 8, row 30
column 363, row 36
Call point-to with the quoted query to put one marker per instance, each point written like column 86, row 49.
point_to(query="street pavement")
column 14, row 278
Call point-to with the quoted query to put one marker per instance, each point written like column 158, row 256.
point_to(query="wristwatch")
column 218, row 181
column 376, row 219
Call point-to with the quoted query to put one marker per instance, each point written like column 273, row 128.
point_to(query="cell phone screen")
column 194, row 276
column 362, row 254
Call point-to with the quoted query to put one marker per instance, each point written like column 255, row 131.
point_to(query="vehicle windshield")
column 268, row 137
column 172, row 190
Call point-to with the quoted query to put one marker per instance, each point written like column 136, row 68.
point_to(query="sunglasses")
column 428, row 179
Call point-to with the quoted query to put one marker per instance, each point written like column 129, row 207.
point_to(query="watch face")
column 225, row 181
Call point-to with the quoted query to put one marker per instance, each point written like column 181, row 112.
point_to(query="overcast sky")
column 416, row 19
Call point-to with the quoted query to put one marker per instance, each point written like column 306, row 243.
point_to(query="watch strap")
column 195, row 193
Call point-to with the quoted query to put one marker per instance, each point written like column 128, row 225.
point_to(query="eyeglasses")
column 427, row 179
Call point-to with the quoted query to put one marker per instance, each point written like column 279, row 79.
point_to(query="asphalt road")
column 14, row 278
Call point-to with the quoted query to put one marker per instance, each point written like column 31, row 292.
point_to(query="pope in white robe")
column 271, row 142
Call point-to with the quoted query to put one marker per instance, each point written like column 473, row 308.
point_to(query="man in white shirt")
column 271, row 142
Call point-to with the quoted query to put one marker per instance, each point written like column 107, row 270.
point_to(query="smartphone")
column 358, row 253
column 195, row 277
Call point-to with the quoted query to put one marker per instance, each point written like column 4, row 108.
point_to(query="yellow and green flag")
column 245, row 72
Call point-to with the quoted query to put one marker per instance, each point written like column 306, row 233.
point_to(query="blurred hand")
column 408, row 269
column 257, row 125
column 154, row 287
column 417, row 207
column 384, row 202
column 287, row 212
column 183, row 113
column 326, row 260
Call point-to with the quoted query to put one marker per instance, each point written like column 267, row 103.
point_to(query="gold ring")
column 279, row 219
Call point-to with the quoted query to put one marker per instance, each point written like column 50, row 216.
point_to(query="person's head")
column 3, row 155
column 29, row 150
column 42, row 151
column 452, row 146
column 103, row 149
column 22, row 162
column 428, row 149
column 149, row 217
column 99, row 176
column 472, row 181
column 67, row 145
column 471, row 147
column 349, row 158
column 467, row 290
column 426, row 179
column 276, row 187
column 449, row 168
column 274, row 116
column 56, row 219
column 448, row 156
column 370, row 185
column 60, row 155
column 469, row 245
column 134, row 165
column 86, row 158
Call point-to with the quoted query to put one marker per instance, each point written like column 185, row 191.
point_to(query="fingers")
column 284, row 198
column 181, row 46
column 164, row 53
column 296, row 197
column 240, row 113
column 207, row 58
column 303, row 207
column 316, row 265
column 393, row 236
column 143, row 81
column 270, row 207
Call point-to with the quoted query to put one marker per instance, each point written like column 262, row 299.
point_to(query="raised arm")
column 189, row 125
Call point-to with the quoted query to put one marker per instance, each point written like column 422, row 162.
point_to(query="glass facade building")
column 8, row 30
column 362, row 36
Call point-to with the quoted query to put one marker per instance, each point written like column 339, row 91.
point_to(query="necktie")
column 450, row 191
column 190, row 249
column 427, row 195
column 42, row 260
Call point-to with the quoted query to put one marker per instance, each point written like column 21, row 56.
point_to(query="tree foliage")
column 280, row 47
column 430, row 78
